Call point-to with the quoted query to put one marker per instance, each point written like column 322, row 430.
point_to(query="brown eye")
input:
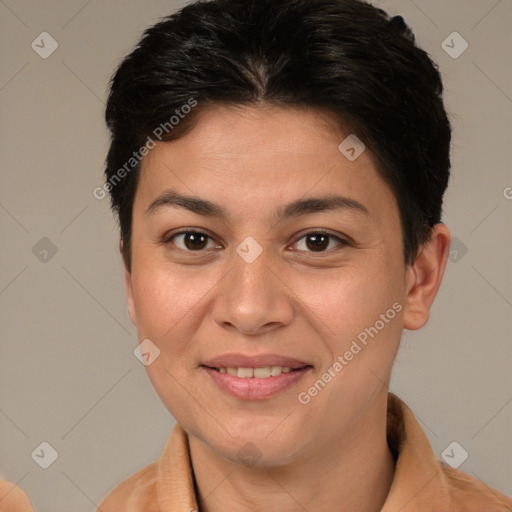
column 191, row 240
column 318, row 241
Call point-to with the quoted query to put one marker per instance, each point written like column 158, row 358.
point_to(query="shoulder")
column 136, row 493
column 420, row 476
column 13, row 498
column 469, row 494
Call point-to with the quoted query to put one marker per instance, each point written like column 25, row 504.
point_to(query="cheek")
column 360, row 318
column 352, row 299
column 167, row 307
column 169, row 303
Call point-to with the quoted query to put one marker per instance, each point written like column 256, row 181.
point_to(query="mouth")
column 255, row 382
column 259, row 362
column 262, row 372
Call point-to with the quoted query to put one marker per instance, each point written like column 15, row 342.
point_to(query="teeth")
column 245, row 372
column 258, row 373
column 262, row 373
column 276, row 370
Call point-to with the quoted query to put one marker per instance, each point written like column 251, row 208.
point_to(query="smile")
column 258, row 373
column 255, row 383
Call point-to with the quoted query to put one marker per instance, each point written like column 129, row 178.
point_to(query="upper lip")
column 253, row 361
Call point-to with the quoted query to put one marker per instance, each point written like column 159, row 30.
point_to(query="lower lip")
column 252, row 388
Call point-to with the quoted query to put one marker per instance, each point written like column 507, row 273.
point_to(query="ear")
column 424, row 277
column 128, row 286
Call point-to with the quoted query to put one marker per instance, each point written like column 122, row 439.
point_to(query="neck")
column 357, row 476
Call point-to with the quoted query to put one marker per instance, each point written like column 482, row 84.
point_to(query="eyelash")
column 341, row 242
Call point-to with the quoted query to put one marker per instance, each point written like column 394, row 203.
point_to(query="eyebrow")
column 305, row 206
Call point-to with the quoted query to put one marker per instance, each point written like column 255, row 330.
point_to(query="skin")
column 330, row 454
column 13, row 498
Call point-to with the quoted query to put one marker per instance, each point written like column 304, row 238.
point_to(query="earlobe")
column 424, row 277
column 128, row 288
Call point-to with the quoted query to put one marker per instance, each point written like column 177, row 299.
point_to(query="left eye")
column 318, row 241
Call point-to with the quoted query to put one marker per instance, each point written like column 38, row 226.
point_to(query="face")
column 286, row 253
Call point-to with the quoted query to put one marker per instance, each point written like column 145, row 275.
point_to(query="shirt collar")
column 418, row 484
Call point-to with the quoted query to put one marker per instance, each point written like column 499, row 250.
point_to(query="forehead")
column 261, row 156
column 238, row 132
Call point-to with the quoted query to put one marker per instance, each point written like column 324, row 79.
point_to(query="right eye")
column 191, row 241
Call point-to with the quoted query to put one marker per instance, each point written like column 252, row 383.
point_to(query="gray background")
column 68, row 375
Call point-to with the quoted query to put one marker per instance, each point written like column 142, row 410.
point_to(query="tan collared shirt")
column 421, row 483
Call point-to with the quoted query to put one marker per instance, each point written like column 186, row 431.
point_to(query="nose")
column 254, row 299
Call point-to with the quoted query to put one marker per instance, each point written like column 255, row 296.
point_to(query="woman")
column 278, row 170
